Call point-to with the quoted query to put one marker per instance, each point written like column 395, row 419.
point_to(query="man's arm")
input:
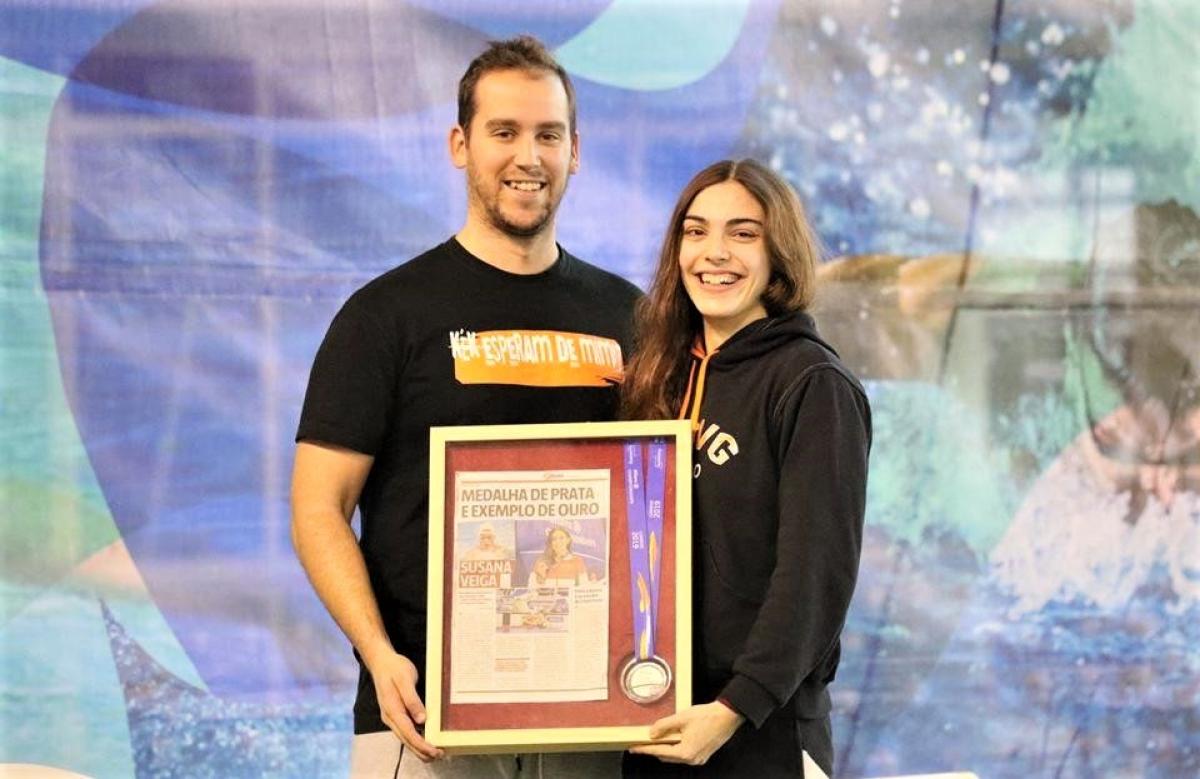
column 326, row 482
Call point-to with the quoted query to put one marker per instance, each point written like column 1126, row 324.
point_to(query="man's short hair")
column 523, row 52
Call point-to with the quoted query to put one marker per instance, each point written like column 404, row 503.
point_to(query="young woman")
column 558, row 564
column 782, row 431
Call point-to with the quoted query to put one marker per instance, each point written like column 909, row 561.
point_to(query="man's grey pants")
column 382, row 756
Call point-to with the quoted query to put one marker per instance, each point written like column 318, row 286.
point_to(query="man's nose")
column 528, row 155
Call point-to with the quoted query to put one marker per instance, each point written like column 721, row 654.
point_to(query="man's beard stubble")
column 497, row 219
column 495, row 216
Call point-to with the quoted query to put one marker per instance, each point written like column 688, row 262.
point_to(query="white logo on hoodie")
column 718, row 445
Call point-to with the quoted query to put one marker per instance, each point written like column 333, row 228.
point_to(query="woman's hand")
column 701, row 730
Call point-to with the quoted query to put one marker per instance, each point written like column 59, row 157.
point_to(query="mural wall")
column 1008, row 192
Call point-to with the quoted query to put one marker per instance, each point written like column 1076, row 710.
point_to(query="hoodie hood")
column 752, row 341
column 763, row 335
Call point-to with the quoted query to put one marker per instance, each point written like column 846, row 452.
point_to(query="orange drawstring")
column 699, row 393
column 687, row 393
column 697, row 351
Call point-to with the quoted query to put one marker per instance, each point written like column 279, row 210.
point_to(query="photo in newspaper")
column 529, row 606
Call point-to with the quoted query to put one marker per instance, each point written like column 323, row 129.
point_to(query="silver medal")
column 645, row 680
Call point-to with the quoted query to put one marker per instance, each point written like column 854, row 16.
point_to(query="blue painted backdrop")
column 1008, row 194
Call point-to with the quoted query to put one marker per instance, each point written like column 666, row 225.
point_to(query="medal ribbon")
column 644, row 494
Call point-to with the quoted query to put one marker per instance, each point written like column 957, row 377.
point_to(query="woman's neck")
column 718, row 331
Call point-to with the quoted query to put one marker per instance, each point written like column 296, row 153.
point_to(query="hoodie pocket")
column 727, row 615
column 740, row 590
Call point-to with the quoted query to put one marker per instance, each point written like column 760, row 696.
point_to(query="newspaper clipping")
column 529, row 616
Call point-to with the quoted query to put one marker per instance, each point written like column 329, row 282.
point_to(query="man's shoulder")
column 597, row 277
column 410, row 278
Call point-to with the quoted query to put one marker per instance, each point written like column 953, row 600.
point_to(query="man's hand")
column 395, row 679
column 701, row 730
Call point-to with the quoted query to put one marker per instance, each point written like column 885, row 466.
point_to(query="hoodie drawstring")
column 702, row 370
column 687, row 393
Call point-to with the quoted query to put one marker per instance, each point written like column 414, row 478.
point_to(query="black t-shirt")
column 447, row 339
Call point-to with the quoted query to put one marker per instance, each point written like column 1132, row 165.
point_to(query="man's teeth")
column 724, row 279
column 525, row 186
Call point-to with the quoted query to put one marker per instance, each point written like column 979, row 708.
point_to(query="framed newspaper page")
column 559, row 585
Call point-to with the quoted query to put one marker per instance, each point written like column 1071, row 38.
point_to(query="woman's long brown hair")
column 666, row 322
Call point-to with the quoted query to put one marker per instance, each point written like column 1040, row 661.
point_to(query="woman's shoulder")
column 795, row 364
column 824, row 364
column 809, row 373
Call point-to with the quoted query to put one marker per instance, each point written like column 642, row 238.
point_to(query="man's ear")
column 574, row 166
column 458, row 146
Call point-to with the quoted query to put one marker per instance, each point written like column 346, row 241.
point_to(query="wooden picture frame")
column 559, row 603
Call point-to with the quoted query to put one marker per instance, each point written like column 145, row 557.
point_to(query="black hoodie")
column 782, row 431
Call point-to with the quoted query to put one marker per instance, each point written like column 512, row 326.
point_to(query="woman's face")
column 560, row 543
column 723, row 257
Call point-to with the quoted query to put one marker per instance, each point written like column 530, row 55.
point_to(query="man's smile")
column 525, row 185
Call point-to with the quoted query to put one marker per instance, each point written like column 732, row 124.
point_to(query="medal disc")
column 645, row 681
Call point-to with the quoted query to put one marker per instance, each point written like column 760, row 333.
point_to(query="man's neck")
column 510, row 253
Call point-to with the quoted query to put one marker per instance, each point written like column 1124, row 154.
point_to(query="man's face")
column 518, row 153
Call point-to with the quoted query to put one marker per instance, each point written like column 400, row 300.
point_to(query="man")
column 458, row 335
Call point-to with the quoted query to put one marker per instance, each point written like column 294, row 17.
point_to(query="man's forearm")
column 334, row 563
